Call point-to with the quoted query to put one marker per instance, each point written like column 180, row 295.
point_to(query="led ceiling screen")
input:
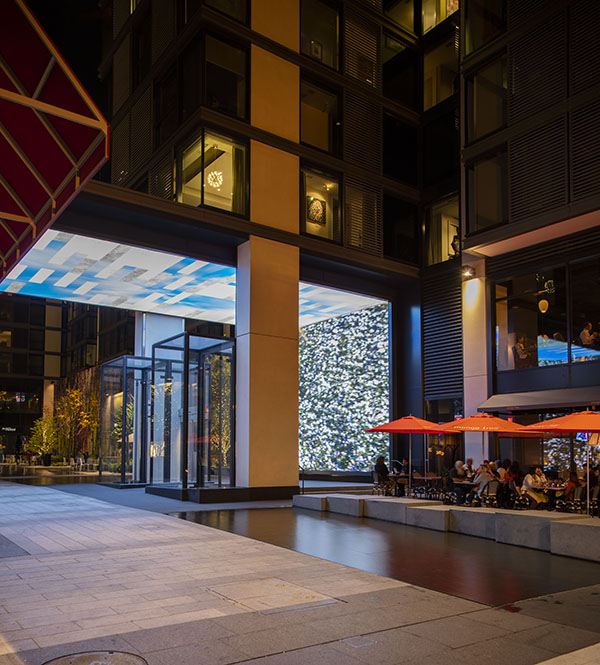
column 63, row 266
column 75, row 268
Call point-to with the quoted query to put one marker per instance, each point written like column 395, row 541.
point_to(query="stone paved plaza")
column 79, row 574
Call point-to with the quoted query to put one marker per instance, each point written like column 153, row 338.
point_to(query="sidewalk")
column 78, row 574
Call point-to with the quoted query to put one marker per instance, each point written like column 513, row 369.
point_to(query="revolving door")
column 193, row 421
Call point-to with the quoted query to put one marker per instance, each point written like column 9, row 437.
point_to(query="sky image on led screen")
column 63, row 266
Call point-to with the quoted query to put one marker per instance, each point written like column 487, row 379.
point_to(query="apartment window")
column 585, row 295
column 399, row 71
column 19, row 363
column 484, row 20
column 400, row 230
column 5, row 339
column 319, row 32
column 321, row 205
column 399, row 150
column 440, row 74
column 401, row 11
column 191, row 78
column 435, row 11
column 36, row 340
column 441, row 148
column 5, row 359
column 36, row 365
column 442, row 231
column 487, row 193
column 165, row 99
column 319, row 117
column 531, row 321
column 235, row 8
column 487, row 99
column 212, row 172
column 225, row 77
column 142, row 53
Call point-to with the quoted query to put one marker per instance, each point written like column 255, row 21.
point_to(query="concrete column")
column 151, row 328
column 475, row 354
column 267, row 364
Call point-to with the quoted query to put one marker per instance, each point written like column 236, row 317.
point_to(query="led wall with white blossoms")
column 344, row 389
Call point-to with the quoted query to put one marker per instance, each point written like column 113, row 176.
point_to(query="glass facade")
column 399, row 150
column 399, row 71
column 401, row 11
column 321, row 205
column 487, row 100
column 440, row 73
column 487, row 193
column 319, row 32
column 319, row 117
column 585, row 323
column 484, row 20
column 435, row 11
column 400, row 230
column 442, row 231
column 212, row 172
column 225, row 73
column 531, row 321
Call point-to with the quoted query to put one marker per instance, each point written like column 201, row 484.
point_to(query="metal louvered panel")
column 121, row 74
column 163, row 26
column 538, row 69
column 538, row 170
column 442, row 311
column 376, row 4
column 141, row 131
column 120, row 14
column 585, row 151
column 578, row 245
column 361, row 49
column 521, row 10
column 161, row 178
column 362, row 219
column 585, row 54
column 362, row 132
column 120, row 152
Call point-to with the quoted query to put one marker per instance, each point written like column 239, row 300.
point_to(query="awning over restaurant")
column 540, row 400
column 53, row 138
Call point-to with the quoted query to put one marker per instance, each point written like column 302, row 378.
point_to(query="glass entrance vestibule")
column 169, row 419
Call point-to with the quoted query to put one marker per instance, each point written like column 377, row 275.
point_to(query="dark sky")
column 75, row 27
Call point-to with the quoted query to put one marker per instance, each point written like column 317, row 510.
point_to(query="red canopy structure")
column 409, row 425
column 53, row 138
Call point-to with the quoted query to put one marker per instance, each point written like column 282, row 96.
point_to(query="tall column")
column 152, row 328
column 475, row 354
column 267, row 364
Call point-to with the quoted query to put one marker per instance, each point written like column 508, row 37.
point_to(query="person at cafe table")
column 456, row 477
column 533, row 484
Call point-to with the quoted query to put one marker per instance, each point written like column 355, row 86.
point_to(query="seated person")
column 533, row 484
column 571, row 486
column 456, row 476
column 383, row 474
column 482, row 478
column 468, row 467
column 522, row 353
column 586, row 336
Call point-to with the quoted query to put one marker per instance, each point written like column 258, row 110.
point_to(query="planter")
column 47, row 459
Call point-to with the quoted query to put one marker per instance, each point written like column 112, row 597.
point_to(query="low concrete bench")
column 528, row 528
column 429, row 517
column 346, row 504
column 479, row 522
column 392, row 509
column 579, row 537
column 310, row 501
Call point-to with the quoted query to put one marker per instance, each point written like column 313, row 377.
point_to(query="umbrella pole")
column 482, row 446
column 409, row 462
column 587, row 447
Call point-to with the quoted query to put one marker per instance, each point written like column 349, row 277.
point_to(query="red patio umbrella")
column 408, row 425
column 582, row 421
column 483, row 422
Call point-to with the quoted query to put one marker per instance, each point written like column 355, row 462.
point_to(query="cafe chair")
column 379, row 485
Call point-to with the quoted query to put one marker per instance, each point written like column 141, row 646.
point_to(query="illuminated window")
column 435, row 11
column 319, row 120
column 5, row 339
column 401, row 11
column 321, row 205
column 487, row 99
column 440, row 73
column 442, row 235
column 213, row 173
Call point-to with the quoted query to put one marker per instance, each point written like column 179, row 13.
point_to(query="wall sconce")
column 468, row 272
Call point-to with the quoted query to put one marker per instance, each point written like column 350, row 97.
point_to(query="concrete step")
column 358, row 489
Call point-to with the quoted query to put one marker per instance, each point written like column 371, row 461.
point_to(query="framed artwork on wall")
column 316, row 210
